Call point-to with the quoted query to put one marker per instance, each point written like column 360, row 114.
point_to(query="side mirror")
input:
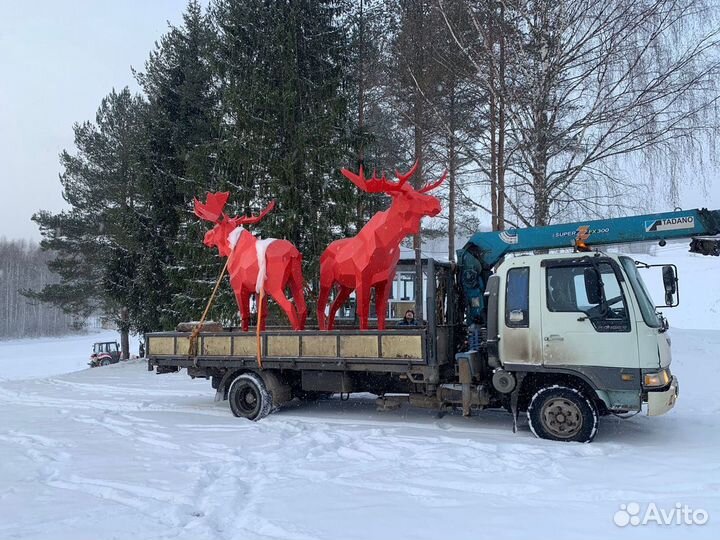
column 593, row 285
column 669, row 278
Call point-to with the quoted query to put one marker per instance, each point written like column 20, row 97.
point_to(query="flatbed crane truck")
column 564, row 337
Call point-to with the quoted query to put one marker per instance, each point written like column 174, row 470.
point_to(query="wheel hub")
column 562, row 417
column 247, row 399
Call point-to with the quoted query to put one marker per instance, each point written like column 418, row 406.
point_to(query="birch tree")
column 589, row 86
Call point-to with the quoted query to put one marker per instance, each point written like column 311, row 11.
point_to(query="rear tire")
column 562, row 413
column 105, row 362
column 249, row 397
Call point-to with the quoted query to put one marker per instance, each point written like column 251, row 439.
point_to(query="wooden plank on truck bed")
column 244, row 345
column 283, row 346
column 401, row 346
column 216, row 345
column 389, row 344
column 160, row 346
column 359, row 346
column 319, row 346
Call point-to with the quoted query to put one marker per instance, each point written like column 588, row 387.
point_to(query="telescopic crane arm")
column 485, row 249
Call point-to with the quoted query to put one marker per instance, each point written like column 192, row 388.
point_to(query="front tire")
column 249, row 397
column 105, row 362
column 562, row 413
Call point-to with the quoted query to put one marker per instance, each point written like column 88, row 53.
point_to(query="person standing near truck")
column 408, row 319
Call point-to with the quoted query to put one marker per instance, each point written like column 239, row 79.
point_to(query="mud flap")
column 514, row 397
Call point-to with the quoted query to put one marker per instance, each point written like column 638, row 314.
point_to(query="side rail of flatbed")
column 395, row 350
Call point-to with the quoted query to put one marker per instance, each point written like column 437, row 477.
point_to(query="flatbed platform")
column 367, row 350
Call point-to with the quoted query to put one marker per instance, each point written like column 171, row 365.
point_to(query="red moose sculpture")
column 256, row 266
column 369, row 259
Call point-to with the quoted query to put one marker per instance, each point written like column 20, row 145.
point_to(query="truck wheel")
column 105, row 362
column 249, row 397
column 561, row 413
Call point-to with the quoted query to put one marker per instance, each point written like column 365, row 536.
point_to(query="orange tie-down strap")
column 261, row 297
column 192, row 348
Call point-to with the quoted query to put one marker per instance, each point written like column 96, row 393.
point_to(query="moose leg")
column 337, row 304
column 382, row 291
column 325, row 289
column 296, row 288
column 243, row 299
column 362, row 294
column 286, row 305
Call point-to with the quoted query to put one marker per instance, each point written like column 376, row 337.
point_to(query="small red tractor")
column 105, row 353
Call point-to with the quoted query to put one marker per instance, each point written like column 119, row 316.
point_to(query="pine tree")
column 182, row 123
column 284, row 135
column 98, row 240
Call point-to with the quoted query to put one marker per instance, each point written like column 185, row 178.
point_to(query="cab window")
column 566, row 292
column 517, row 298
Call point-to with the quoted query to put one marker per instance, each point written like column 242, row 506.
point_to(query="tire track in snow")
column 245, row 487
column 128, row 430
column 167, row 507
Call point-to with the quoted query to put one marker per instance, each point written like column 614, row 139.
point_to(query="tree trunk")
column 500, row 154
column 418, row 67
column 493, row 162
column 417, row 240
column 451, row 179
column 542, row 205
column 124, row 333
column 359, row 221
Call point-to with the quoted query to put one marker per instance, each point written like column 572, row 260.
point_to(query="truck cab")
column 585, row 320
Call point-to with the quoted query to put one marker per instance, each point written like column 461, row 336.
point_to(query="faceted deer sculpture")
column 255, row 265
column 369, row 259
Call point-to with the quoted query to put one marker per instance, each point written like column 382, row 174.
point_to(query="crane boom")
column 485, row 249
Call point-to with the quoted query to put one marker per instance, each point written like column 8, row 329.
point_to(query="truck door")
column 580, row 328
column 518, row 316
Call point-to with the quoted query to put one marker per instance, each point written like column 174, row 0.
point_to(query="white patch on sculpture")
column 261, row 246
column 234, row 236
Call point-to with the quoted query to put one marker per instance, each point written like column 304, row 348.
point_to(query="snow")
column 38, row 357
column 117, row 452
column 699, row 288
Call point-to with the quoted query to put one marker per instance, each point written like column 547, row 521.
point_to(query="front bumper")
column 660, row 402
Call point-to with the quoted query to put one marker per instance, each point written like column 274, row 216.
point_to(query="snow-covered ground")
column 699, row 286
column 40, row 357
column 117, row 452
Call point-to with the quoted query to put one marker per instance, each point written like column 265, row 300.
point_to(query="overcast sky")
column 58, row 59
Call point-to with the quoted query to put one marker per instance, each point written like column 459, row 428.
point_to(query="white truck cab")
column 589, row 318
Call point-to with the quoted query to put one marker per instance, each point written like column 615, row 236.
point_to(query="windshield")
column 647, row 306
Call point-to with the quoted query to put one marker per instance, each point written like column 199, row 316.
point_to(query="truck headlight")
column 657, row 379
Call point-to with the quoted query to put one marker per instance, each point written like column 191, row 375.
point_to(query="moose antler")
column 383, row 185
column 405, row 177
column 378, row 185
column 212, row 210
column 252, row 220
column 430, row 187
